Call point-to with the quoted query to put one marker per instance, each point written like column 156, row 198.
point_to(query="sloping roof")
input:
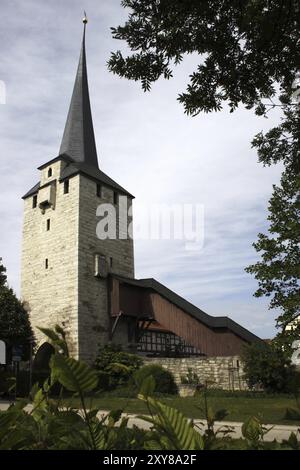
column 74, row 168
column 78, row 140
column 93, row 173
column 180, row 302
column 32, row 191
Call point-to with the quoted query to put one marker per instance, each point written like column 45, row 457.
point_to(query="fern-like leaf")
column 178, row 431
column 75, row 376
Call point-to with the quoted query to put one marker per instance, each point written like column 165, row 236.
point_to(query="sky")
column 145, row 142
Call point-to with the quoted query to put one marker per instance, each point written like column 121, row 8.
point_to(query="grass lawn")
column 271, row 410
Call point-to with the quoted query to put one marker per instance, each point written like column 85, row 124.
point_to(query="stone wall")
column 94, row 322
column 222, row 372
column 51, row 295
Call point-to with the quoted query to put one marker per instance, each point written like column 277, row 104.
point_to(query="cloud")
column 145, row 142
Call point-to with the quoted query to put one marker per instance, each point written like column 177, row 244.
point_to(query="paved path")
column 277, row 431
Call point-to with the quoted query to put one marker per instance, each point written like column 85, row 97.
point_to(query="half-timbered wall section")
column 154, row 308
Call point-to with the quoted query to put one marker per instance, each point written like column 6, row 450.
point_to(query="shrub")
column 117, row 364
column 191, row 378
column 48, row 425
column 104, row 380
column 164, row 379
column 5, row 381
column 266, row 366
column 39, row 377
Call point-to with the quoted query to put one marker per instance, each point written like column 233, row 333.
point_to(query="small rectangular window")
column 100, row 266
column 99, row 190
column 48, row 224
column 66, row 186
column 111, row 262
column 34, row 202
column 115, row 198
column 46, row 263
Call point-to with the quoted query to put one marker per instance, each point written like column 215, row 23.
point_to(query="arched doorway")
column 42, row 358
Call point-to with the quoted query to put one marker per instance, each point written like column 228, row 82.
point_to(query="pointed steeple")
column 78, row 141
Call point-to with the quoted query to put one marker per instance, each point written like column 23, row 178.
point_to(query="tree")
column 15, row 327
column 278, row 272
column 248, row 54
column 116, row 366
column 3, row 277
column 267, row 366
column 246, row 48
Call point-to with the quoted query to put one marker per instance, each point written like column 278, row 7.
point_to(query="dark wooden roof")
column 195, row 312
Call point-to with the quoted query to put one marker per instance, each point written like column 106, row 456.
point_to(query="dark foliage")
column 249, row 54
column 244, row 48
column 49, row 425
column 115, row 366
column 278, row 271
column 267, row 366
column 3, row 277
column 164, row 380
column 15, row 327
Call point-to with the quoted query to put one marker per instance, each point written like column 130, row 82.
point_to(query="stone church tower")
column 80, row 279
column 65, row 266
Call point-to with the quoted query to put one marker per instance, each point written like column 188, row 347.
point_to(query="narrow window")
column 99, row 190
column 48, row 224
column 111, row 262
column 49, row 172
column 66, row 186
column 115, row 198
column 34, row 202
column 100, row 266
column 46, row 263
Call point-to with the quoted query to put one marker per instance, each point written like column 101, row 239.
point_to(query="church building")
column 86, row 284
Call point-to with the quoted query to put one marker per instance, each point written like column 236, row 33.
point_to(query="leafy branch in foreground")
column 171, row 430
column 45, row 423
column 245, row 49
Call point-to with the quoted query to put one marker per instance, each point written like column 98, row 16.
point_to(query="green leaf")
column 114, row 416
column 57, row 339
column 176, row 431
column 252, row 429
column 292, row 441
column 75, row 376
column 117, row 367
column 49, row 333
column 147, row 388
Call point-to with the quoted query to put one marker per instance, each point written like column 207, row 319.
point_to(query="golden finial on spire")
column 85, row 19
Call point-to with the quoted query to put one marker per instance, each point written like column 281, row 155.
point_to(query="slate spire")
column 78, row 141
